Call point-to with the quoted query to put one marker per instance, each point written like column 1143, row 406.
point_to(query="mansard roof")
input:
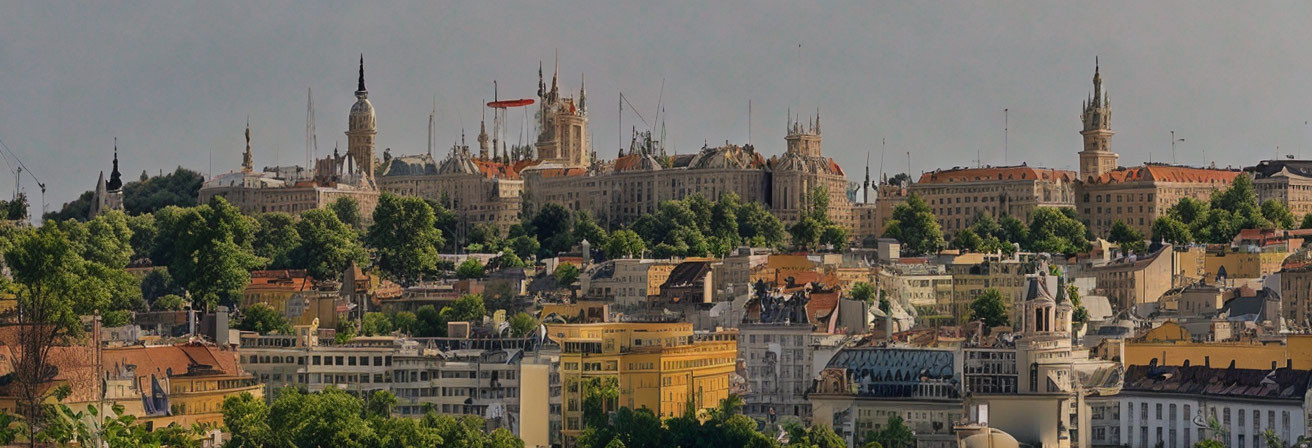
column 411, row 166
column 995, row 173
column 796, row 162
column 1287, row 384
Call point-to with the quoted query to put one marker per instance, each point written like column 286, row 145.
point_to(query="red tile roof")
column 1167, row 173
column 996, row 173
column 175, row 358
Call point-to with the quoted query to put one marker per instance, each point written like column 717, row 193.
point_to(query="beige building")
column 1139, row 195
column 335, row 177
column 972, row 274
column 1296, row 295
column 920, row 284
column 1135, row 280
column 1286, row 181
column 957, row 195
column 635, row 183
column 481, row 190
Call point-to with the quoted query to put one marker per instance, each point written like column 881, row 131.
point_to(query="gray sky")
column 176, row 81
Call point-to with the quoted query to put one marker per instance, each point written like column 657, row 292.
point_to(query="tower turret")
column 361, row 130
column 247, row 158
column 1097, row 157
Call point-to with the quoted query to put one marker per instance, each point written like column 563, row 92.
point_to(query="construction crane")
column 500, row 113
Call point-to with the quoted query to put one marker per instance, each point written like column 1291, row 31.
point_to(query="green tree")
column 405, row 322
column 1209, row 443
column 990, row 308
column 263, row 319
column 552, row 227
column 522, row 324
column 1056, row 230
column 328, row 245
column 208, row 250
column 177, row 189
column 967, row 240
column 48, row 283
column 1188, row 210
column 1130, row 239
column 507, row 259
column 585, row 228
column 169, row 302
column 380, row 404
column 276, row 239
column 915, row 226
column 375, row 324
column 1307, row 222
column 624, row 243
column 404, row 237
column 525, row 246
column 246, row 419
column 566, row 274
column 470, row 268
column 835, row 236
column 758, row 227
column 468, row 308
column 895, row 434
column 862, row 291
column 1277, row 213
column 1171, row 230
column 347, row 210
column 805, row 233
column 143, row 234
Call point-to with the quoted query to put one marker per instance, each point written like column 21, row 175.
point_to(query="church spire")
column 115, row 179
column 360, row 88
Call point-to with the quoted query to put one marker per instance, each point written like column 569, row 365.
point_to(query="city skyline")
column 177, row 100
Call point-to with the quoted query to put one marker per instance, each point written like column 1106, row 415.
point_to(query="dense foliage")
column 915, row 226
column 990, row 308
column 334, row 418
column 1218, row 220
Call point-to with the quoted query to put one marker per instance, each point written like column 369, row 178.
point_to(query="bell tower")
column 1097, row 157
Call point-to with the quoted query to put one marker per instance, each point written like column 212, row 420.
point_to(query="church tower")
column 1097, row 157
column 360, row 133
column 247, row 159
column 562, row 125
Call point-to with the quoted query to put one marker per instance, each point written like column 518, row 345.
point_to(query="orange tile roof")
column 996, row 173
column 1167, row 173
column 175, row 358
column 494, row 169
column 280, row 280
column 563, row 172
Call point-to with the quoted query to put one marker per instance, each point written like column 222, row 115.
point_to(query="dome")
column 990, row 438
column 362, row 113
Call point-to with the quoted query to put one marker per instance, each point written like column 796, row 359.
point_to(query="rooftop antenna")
column 619, row 134
column 311, row 137
column 883, row 147
column 1006, row 128
column 432, row 122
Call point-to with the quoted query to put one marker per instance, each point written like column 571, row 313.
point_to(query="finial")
column 1095, row 64
column 361, row 86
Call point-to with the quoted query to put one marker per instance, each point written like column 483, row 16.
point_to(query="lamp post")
column 1173, row 140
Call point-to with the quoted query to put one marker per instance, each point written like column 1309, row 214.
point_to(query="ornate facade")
column 958, row 195
column 1286, row 181
column 335, row 177
column 1097, row 157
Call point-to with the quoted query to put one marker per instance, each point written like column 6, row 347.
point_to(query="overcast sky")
column 175, row 82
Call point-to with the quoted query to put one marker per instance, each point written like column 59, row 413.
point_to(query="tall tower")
column 247, row 159
column 1097, row 157
column 562, row 125
column 482, row 140
column 361, row 131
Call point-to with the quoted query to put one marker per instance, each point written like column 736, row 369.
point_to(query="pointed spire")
column 248, row 159
column 817, row 121
column 583, row 94
column 360, row 88
column 542, row 85
column 115, row 179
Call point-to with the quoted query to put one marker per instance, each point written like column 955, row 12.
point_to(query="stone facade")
column 958, row 195
column 1287, row 181
column 1139, row 195
column 482, row 191
column 335, row 177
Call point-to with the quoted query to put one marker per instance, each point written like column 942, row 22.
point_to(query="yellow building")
column 197, row 378
column 1244, row 264
column 291, row 292
column 1296, row 352
column 658, row 366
